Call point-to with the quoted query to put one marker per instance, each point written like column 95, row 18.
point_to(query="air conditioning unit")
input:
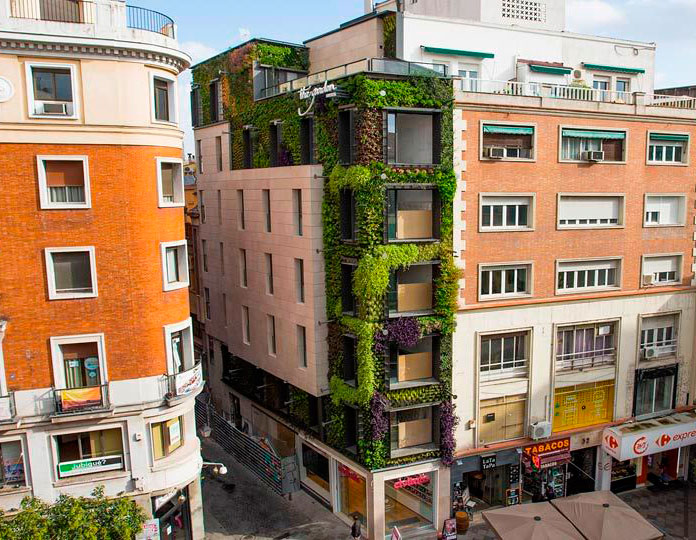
column 494, row 152
column 593, row 155
column 650, row 352
column 578, row 74
column 540, row 430
column 54, row 109
column 648, row 279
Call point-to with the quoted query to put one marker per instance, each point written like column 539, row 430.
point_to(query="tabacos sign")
column 549, row 447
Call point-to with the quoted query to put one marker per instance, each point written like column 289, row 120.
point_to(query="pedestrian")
column 356, row 529
column 550, row 493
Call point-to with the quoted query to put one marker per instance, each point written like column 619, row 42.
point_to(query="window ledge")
column 606, row 365
column 9, row 490
column 53, row 117
column 665, row 164
column 91, row 478
column 413, row 384
column 662, row 226
column 586, row 290
column 493, row 298
column 398, row 314
column 662, row 284
column 411, row 451
column 605, row 162
column 413, row 241
column 513, row 379
column 588, row 227
column 505, row 229
column 513, row 160
column 71, row 296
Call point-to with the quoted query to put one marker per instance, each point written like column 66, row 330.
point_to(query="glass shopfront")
column 408, row 503
column 315, row 472
column 352, row 494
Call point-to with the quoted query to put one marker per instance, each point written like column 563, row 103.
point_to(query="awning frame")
column 593, row 134
column 669, row 137
column 614, row 69
column 457, row 52
column 495, row 129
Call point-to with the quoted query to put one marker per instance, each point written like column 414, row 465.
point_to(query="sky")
column 210, row 26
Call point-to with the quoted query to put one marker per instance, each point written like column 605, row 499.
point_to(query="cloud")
column 592, row 15
column 197, row 51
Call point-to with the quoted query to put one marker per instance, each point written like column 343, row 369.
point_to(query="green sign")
column 88, row 466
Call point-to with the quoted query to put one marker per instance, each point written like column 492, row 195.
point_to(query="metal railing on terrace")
column 68, row 11
column 585, row 359
column 576, row 93
column 383, row 66
column 186, row 382
column 152, row 21
column 79, row 400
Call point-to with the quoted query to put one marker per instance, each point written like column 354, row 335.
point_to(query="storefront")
column 581, row 471
column 490, row 480
column 173, row 511
column 352, row 494
column 545, row 467
column 408, row 503
column 649, row 451
column 315, row 472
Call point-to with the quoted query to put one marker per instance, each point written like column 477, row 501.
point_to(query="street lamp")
column 219, row 468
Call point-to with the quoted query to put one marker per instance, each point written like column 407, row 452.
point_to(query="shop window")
column 79, row 371
column 655, row 391
column 346, row 136
column 593, row 146
column 664, row 210
column 347, row 296
column 584, row 276
column 658, row 336
column 72, row 273
column 307, row 141
column 173, row 515
column 349, row 223
column 12, row 473
column 170, row 182
column 413, row 138
column 411, row 290
column 590, row 211
column 502, row 141
column 408, row 503
column 166, row 437
column 409, row 366
column 661, row 270
column 412, row 430
column 174, row 265
column 668, row 148
column 583, row 405
column 585, row 346
column 352, row 494
column 413, row 214
column 51, row 90
column 316, row 470
column 89, row 452
column 350, row 361
column 64, row 182
column 504, row 355
column 506, row 212
column 509, row 281
column 502, row 419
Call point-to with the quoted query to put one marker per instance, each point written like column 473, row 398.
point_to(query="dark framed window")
column 412, row 290
column 276, row 138
column 346, row 136
column 347, row 295
column 215, row 102
column 413, row 138
column 655, row 390
column 351, row 423
column 350, row 363
column 417, row 364
column 349, row 223
column 249, row 140
column 413, row 214
column 53, row 84
column 162, row 100
column 196, row 106
column 307, row 141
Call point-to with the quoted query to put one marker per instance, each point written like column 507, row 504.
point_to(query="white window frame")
column 25, row 460
column 493, row 376
column 680, row 270
column 173, row 98
column 31, row 100
column 583, row 290
column 511, row 124
column 161, row 420
column 621, row 219
column 96, row 427
column 189, row 360
column 676, row 334
column 44, row 195
column 58, row 363
column 593, row 128
column 682, row 216
column 51, row 277
column 531, row 213
column 178, row 183
column 529, row 265
column 685, row 152
column 183, row 266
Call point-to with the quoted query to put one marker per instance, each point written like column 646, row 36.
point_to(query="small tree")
column 96, row 518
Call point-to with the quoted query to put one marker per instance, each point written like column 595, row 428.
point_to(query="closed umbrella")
column 538, row 521
column 601, row 515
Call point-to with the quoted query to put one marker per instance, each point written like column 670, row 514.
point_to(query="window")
column 411, row 428
column 218, row 153
column 588, row 275
column 349, row 224
column 266, row 194
column 204, row 249
column 662, row 270
column 219, row 206
column 215, row 102
column 224, row 309
column 503, row 141
column 271, row 333
column 201, row 202
column 179, row 346
column 346, row 136
column 307, row 141
column 623, row 85
column 418, row 363
column 246, row 328
column 277, row 157
column 655, row 390
column 302, row 345
column 174, row 265
column 413, row 214
column 196, row 106
column 299, row 281
column 504, row 281
column 665, row 210
column 164, row 99
column 585, row 345
column 64, row 182
column 297, row 211
column 241, row 217
column 89, row 452
column 576, row 144
column 502, row 418
column 350, row 361
column 469, row 78
column 269, row 273
column 51, row 90
column 208, row 314
column 590, row 211
column 199, row 156
column 222, row 258
column 12, row 473
column 668, row 148
column 347, row 295
column 658, row 336
column 243, row 282
column 504, row 355
column 351, row 422
column 230, row 146
column 250, row 137
column 506, row 212
column 170, row 182
column 411, row 290
column 166, row 437
column 413, row 138
column 72, row 272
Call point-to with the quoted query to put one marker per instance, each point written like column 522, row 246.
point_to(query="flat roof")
column 352, row 22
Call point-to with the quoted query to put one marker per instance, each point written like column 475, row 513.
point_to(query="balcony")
column 7, row 408
column 81, row 400
column 414, row 366
column 413, row 215
column 152, row 21
column 185, row 383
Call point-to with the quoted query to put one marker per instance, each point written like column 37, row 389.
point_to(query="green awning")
column 457, row 52
column 508, row 130
column 550, row 69
column 667, row 137
column 588, row 134
column 615, row 69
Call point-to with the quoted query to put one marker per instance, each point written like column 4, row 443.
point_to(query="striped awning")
column 668, row 137
column 508, row 130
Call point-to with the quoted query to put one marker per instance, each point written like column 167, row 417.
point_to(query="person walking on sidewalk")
column 356, row 529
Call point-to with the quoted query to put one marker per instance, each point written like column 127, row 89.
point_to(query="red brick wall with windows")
column 546, row 177
column 125, row 225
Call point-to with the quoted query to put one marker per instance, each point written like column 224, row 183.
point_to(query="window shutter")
column 437, row 138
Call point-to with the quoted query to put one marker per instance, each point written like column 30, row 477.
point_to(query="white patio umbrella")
column 537, row 521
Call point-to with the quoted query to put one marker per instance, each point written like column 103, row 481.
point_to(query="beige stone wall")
column 364, row 40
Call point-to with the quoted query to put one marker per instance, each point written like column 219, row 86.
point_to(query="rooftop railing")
column 68, row 11
column 152, row 21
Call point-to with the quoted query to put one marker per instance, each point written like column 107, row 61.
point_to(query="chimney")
column 369, row 8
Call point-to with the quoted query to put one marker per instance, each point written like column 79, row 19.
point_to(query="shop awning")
column 457, row 52
column 668, row 137
column 508, row 130
column 591, row 134
column 614, row 69
column 638, row 439
column 552, row 70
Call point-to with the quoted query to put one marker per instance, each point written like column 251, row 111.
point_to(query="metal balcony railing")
column 7, row 407
column 152, row 21
column 585, row 359
column 78, row 400
column 186, row 382
column 67, row 11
